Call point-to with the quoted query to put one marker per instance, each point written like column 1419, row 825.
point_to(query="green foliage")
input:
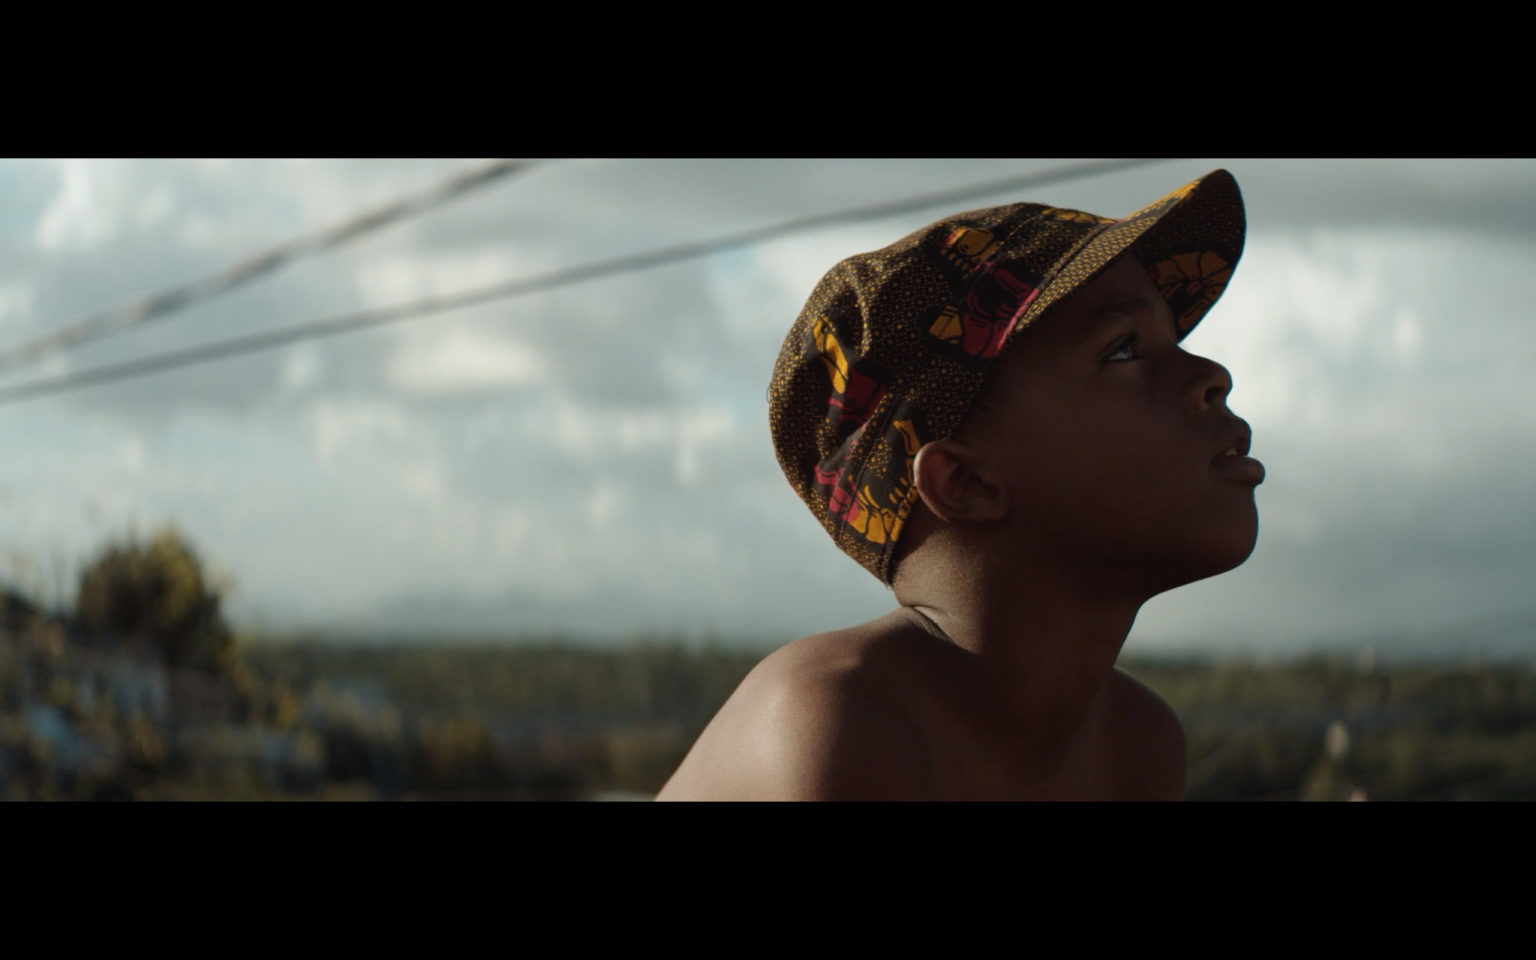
column 525, row 721
column 549, row 720
column 1412, row 731
column 156, row 596
column 17, row 612
column 650, row 682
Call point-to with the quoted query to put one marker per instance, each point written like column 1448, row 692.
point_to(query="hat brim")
column 1190, row 242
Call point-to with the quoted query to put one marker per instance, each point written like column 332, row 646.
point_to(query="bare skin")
column 1090, row 479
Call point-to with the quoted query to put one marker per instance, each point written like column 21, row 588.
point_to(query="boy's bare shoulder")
column 1140, row 704
column 878, row 712
column 815, row 720
column 1153, row 761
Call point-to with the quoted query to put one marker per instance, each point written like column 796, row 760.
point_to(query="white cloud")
column 762, row 289
column 154, row 207
column 605, row 505
column 16, row 298
column 595, row 433
column 1290, row 309
column 459, row 361
column 395, row 278
column 302, row 367
column 131, row 455
column 1407, row 335
column 86, row 210
column 602, row 435
column 1364, row 331
column 338, row 424
column 423, row 479
column 1384, row 370
column 699, row 435
column 509, row 524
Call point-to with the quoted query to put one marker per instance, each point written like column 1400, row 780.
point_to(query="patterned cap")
column 893, row 346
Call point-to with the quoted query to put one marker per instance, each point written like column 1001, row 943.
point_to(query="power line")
column 157, row 306
column 629, row 263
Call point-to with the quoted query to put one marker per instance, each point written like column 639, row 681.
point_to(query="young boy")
column 995, row 417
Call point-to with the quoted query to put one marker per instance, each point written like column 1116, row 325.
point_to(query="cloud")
column 302, row 368
column 598, row 455
column 1483, row 196
column 15, row 303
column 79, row 216
column 461, row 361
column 337, row 426
column 1383, row 373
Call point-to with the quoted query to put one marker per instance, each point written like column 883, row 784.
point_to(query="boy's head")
column 1095, row 435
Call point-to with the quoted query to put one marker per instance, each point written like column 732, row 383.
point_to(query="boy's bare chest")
column 999, row 775
column 973, row 763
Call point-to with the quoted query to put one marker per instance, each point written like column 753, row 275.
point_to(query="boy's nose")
column 1211, row 383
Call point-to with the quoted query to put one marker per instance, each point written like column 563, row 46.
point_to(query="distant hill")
column 516, row 614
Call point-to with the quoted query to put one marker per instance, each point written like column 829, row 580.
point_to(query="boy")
column 994, row 416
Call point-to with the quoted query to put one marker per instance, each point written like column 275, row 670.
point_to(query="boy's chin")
column 1222, row 557
column 1211, row 557
column 1224, row 546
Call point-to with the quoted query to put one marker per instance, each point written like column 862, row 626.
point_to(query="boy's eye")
column 1124, row 350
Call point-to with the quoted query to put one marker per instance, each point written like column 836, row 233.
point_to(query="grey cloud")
column 1400, row 536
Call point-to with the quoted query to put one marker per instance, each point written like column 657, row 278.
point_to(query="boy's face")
column 1108, row 436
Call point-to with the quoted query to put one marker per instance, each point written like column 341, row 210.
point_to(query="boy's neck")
column 1040, row 645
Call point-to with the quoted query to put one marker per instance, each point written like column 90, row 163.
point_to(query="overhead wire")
column 157, row 306
column 628, row 263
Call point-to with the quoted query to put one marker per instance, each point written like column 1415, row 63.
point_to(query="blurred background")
column 429, row 479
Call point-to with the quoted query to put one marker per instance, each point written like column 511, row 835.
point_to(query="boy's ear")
column 956, row 484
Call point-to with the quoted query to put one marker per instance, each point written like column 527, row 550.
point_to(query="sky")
column 595, row 460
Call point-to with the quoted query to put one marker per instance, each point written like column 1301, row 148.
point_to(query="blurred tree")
column 17, row 613
column 157, row 595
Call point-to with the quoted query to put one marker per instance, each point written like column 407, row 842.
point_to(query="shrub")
column 157, row 596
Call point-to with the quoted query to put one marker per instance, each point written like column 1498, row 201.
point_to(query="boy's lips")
column 1238, row 439
column 1240, row 469
column 1233, row 462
